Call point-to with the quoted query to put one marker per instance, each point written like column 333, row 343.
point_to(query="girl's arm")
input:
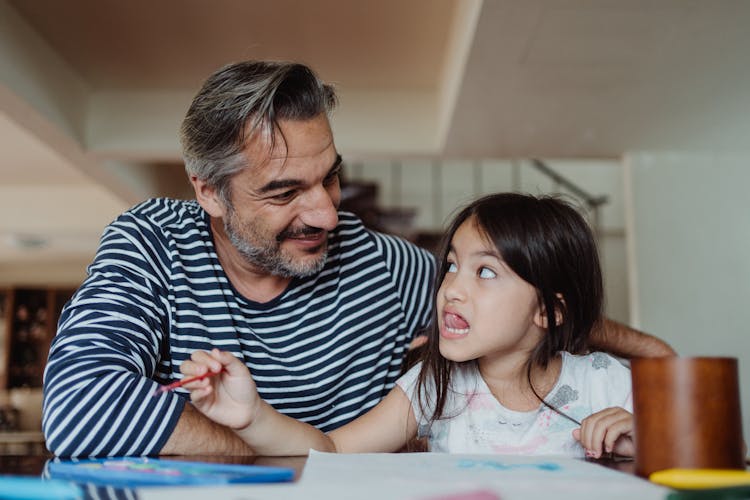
column 385, row 428
column 609, row 430
column 232, row 399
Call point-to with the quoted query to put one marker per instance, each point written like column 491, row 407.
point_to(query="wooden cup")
column 687, row 414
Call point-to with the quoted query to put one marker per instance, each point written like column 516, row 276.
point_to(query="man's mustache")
column 296, row 233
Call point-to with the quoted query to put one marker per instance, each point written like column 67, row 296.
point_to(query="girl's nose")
column 453, row 290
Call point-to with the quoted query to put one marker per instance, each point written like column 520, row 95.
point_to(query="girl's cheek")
column 441, row 292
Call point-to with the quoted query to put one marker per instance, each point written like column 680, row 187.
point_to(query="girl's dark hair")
column 546, row 242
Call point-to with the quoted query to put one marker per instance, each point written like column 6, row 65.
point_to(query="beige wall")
column 437, row 194
column 691, row 249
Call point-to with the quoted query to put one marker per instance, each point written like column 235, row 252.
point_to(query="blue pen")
column 34, row 488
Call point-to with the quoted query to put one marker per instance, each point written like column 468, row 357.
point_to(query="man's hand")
column 625, row 342
column 607, row 431
column 229, row 398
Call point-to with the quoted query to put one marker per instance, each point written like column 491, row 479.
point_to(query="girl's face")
column 485, row 310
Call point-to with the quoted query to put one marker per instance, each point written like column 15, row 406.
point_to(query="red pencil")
column 180, row 383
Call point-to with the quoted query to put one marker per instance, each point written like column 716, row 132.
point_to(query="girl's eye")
column 486, row 273
column 451, row 267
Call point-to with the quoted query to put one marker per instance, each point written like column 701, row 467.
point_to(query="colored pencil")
column 180, row 383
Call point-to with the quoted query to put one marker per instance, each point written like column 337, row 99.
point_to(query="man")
column 261, row 264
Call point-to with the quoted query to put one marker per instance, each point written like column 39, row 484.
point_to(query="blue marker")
column 34, row 488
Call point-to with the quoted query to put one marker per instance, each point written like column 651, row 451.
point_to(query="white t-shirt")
column 478, row 423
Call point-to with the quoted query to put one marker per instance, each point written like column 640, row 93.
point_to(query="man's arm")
column 99, row 380
column 626, row 342
column 194, row 433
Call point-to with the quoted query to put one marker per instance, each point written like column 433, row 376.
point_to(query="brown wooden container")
column 687, row 414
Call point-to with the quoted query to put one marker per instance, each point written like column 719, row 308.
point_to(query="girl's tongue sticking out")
column 455, row 324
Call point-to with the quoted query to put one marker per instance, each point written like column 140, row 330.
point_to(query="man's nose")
column 321, row 210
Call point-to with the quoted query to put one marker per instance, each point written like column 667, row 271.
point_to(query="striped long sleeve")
column 325, row 350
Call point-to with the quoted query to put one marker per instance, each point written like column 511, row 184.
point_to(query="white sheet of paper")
column 508, row 476
column 434, row 476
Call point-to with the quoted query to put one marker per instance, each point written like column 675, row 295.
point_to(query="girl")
column 505, row 369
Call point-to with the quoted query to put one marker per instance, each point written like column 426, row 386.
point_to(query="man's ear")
column 540, row 318
column 208, row 197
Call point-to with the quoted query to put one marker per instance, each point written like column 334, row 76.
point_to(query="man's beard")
column 266, row 253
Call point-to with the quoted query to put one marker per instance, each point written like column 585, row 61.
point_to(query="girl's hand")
column 610, row 430
column 229, row 398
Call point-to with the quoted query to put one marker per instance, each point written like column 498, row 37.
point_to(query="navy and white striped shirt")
column 324, row 351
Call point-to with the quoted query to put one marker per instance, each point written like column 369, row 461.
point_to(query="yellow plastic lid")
column 700, row 478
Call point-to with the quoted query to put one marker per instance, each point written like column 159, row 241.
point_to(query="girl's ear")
column 540, row 318
column 207, row 197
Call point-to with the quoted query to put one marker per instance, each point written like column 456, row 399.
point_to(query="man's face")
column 282, row 209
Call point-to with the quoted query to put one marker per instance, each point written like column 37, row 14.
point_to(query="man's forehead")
column 291, row 139
column 279, row 164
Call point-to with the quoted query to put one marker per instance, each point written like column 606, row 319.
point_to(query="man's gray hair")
column 240, row 101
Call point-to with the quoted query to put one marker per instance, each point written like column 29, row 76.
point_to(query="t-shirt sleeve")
column 98, row 394
column 413, row 272
column 408, row 383
column 610, row 382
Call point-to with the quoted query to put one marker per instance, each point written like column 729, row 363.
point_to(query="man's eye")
column 332, row 177
column 451, row 267
column 486, row 273
column 285, row 196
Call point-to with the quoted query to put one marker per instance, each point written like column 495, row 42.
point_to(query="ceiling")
column 92, row 91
